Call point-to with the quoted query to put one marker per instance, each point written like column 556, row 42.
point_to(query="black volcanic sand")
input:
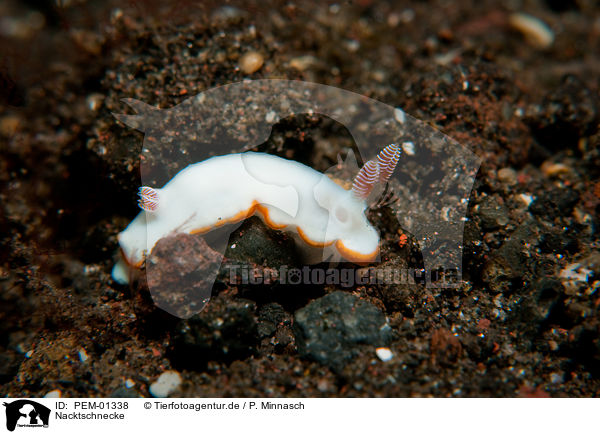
column 525, row 321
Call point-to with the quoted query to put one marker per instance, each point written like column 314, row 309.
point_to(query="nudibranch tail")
column 388, row 159
column 366, row 178
column 148, row 200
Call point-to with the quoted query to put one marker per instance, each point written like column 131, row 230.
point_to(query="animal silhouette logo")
column 26, row 413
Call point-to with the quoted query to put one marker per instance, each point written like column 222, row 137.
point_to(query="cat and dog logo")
column 26, row 413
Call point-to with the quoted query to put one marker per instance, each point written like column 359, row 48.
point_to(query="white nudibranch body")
column 287, row 195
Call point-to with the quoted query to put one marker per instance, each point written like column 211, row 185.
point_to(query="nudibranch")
column 286, row 194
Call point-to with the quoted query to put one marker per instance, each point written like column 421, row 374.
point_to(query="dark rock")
column 558, row 242
column 507, row 265
column 554, row 203
column 445, row 347
column 333, row 329
column 547, row 293
column 493, row 214
column 269, row 316
column 499, row 274
column 275, row 329
column 255, row 243
column 225, row 330
column 398, row 298
column 540, row 306
column 180, row 273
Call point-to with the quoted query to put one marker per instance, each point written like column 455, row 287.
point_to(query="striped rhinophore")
column 388, row 159
column 366, row 178
column 148, row 200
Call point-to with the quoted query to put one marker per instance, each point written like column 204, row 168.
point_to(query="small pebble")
column 556, row 377
column 324, row 385
column 53, row 394
column 251, row 62
column 129, row 383
column 302, row 63
column 393, row 19
column 404, row 17
column 168, row 382
column 553, row 169
column 384, row 354
column 536, row 32
column 270, row 116
column 408, row 148
column 116, row 14
column 23, row 27
column 507, row 175
column 526, row 198
column 227, row 13
column 407, row 16
column 83, row 355
column 9, row 125
column 88, row 41
column 352, row 45
column 94, row 101
column 399, row 116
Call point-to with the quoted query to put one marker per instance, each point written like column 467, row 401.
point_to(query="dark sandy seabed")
column 525, row 321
